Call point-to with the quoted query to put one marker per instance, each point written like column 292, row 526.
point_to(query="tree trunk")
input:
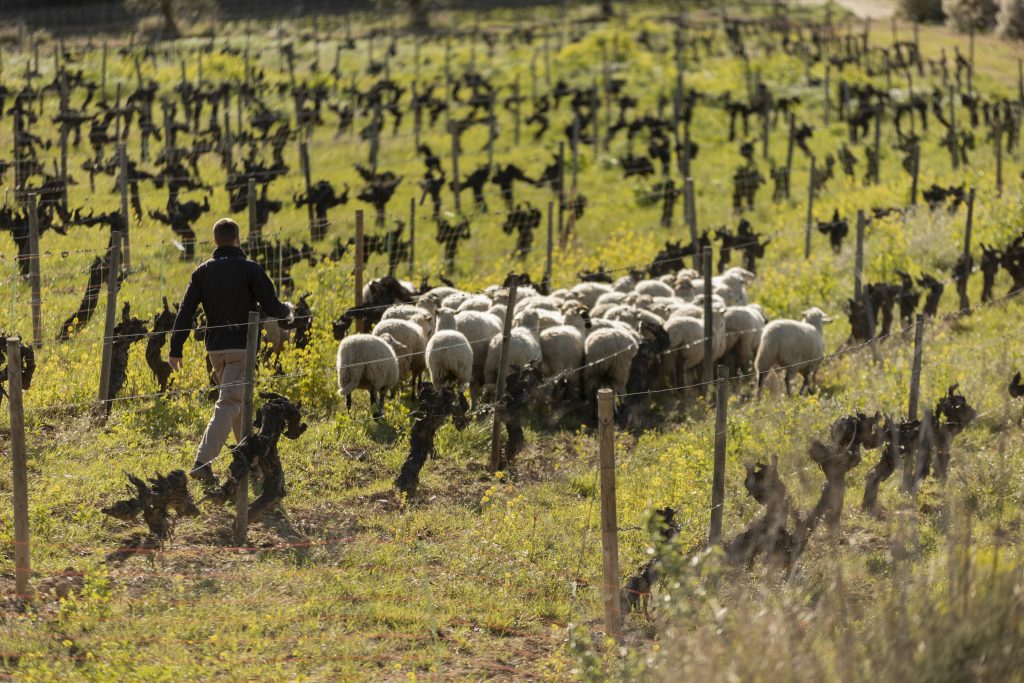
column 170, row 26
column 419, row 16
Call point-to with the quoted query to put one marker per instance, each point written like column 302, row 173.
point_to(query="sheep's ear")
column 826, row 319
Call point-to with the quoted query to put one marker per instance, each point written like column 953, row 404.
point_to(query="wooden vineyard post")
column 359, row 267
column 33, row 271
column 518, row 109
column 314, row 229
column 19, row 165
column 789, row 153
column 1020, row 79
column 492, row 132
column 954, row 146
column 765, row 133
column 970, row 223
column 252, row 344
column 499, row 409
column 708, row 322
column 122, row 154
column 915, row 392
column 810, row 212
column 878, row 147
column 550, row 244
column 999, row 158
column 718, row 476
column 113, row 271
column 103, row 74
column 690, row 213
column 64, row 140
column 858, row 264
column 254, row 228
column 562, row 237
column 455, row 168
column 19, row 476
column 609, row 517
column 412, row 237
column 916, row 169
column 417, row 115
column 828, row 75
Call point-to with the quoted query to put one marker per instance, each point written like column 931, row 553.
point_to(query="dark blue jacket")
column 228, row 286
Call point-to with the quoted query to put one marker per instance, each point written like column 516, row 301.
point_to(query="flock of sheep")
column 582, row 338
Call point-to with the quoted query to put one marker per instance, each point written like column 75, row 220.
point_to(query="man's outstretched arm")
column 183, row 322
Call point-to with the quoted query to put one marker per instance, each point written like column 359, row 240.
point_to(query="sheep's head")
column 741, row 275
column 445, row 319
column 340, row 327
column 815, row 316
column 398, row 347
column 530, row 320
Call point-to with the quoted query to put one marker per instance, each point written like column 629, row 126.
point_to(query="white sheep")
column 686, row 346
column 796, row 346
column 275, row 336
column 632, row 316
column 477, row 302
column 563, row 347
column 454, row 300
column 523, row 347
column 449, row 355
column 419, row 315
column 608, row 353
column 653, row 288
column 545, row 316
column 411, row 362
column 587, row 293
column 624, row 284
column 367, row 362
column 538, row 302
column 743, row 328
column 479, row 328
column 685, row 329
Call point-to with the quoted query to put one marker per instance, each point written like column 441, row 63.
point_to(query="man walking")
column 228, row 286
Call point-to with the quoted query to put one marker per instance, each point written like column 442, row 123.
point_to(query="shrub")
column 970, row 15
column 1010, row 21
column 924, row 11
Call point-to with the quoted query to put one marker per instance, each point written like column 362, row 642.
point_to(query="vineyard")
column 670, row 205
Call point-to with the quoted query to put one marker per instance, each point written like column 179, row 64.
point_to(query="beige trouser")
column 228, row 371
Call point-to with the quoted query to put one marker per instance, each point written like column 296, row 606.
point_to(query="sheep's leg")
column 474, row 396
column 761, row 376
column 788, row 378
column 373, row 403
column 348, row 403
column 805, row 386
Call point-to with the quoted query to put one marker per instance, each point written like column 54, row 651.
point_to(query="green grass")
column 481, row 577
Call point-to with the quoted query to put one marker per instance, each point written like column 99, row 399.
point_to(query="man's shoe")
column 204, row 475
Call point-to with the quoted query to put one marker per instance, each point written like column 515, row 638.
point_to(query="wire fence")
column 570, row 580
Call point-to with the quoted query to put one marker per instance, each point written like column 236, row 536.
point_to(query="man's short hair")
column 225, row 231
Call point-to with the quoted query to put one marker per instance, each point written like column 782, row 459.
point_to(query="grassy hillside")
column 499, row 577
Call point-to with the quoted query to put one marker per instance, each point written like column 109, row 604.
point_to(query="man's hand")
column 175, row 363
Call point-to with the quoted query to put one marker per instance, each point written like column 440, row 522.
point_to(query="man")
column 228, row 286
